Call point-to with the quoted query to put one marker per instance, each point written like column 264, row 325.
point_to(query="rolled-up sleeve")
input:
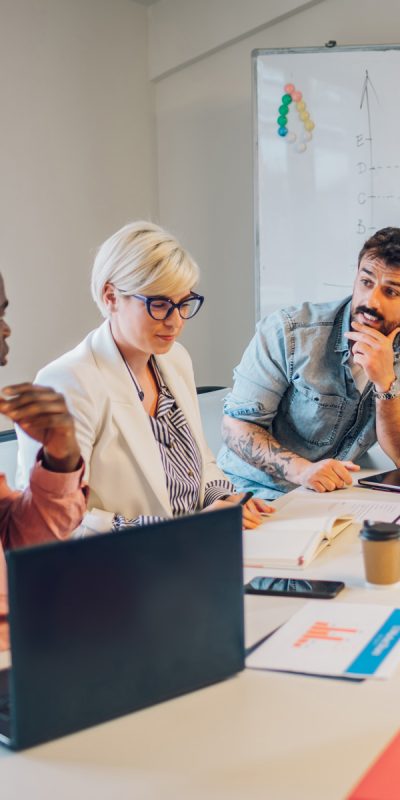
column 49, row 509
column 264, row 373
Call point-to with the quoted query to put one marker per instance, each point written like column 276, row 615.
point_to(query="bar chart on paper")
column 338, row 639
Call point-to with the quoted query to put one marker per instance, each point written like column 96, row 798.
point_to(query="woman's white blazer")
column 123, row 464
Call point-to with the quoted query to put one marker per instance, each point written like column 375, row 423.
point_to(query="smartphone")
column 294, row 587
column 388, row 481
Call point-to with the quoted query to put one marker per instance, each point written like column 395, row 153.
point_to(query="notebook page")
column 300, row 505
column 283, row 540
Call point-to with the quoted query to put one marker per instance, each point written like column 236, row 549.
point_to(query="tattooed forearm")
column 257, row 447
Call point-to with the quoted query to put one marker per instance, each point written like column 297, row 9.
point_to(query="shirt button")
column 190, row 473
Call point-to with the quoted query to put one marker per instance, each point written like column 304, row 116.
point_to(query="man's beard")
column 385, row 327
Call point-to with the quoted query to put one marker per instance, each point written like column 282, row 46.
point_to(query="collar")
column 342, row 325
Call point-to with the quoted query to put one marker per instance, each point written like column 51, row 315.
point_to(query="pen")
column 245, row 498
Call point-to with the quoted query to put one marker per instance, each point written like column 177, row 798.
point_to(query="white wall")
column 204, row 144
column 183, row 30
column 79, row 150
column 76, row 160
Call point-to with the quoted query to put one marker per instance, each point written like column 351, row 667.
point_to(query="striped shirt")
column 180, row 458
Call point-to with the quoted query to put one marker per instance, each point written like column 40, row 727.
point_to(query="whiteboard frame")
column 256, row 210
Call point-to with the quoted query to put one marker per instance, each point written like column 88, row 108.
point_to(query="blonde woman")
column 131, row 389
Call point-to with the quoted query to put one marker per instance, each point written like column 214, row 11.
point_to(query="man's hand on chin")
column 374, row 352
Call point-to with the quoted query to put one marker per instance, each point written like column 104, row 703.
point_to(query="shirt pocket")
column 315, row 417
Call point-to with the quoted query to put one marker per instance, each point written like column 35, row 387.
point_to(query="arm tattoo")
column 259, row 449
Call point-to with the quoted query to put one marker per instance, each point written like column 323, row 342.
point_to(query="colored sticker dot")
column 300, row 141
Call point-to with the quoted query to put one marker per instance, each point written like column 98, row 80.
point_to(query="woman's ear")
column 110, row 297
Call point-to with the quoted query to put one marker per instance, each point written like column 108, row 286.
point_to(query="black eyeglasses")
column 162, row 308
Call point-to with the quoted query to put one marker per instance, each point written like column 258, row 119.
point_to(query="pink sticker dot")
column 289, row 88
column 297, row 96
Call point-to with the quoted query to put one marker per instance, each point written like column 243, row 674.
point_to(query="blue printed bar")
column 378, row 648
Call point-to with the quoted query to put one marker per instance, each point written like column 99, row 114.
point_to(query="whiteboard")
column 318, row 199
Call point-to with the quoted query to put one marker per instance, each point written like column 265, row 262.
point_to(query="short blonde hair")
column 142, row 258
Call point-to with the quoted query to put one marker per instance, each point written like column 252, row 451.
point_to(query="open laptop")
column 103, row 626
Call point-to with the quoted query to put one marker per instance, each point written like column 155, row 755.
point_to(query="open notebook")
column 290, row 543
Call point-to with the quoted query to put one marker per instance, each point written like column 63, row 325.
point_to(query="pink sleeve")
column 50, row 508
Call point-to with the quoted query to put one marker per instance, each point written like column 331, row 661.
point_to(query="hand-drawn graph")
column 314, row 211
column 381, row 179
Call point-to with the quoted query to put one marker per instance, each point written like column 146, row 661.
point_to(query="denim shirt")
column 295, row 380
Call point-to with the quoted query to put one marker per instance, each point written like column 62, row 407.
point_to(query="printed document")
column 349, row 640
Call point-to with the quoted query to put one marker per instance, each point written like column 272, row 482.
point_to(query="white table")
column 258, row 735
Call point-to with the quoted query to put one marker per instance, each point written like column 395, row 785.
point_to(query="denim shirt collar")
column 342, row 325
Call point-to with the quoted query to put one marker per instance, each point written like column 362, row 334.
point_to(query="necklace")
column 137, row 387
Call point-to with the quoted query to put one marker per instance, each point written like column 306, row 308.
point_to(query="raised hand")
column 43, row 414
column 374, row 352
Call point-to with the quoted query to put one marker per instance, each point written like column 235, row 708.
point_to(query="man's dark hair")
column 384, row 244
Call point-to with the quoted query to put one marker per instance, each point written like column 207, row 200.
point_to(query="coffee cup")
column 381, row 551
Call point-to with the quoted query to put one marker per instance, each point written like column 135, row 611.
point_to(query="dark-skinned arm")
column 43, row 414
column 54, row 503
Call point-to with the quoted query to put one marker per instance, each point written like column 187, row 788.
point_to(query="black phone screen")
column 293, row 587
